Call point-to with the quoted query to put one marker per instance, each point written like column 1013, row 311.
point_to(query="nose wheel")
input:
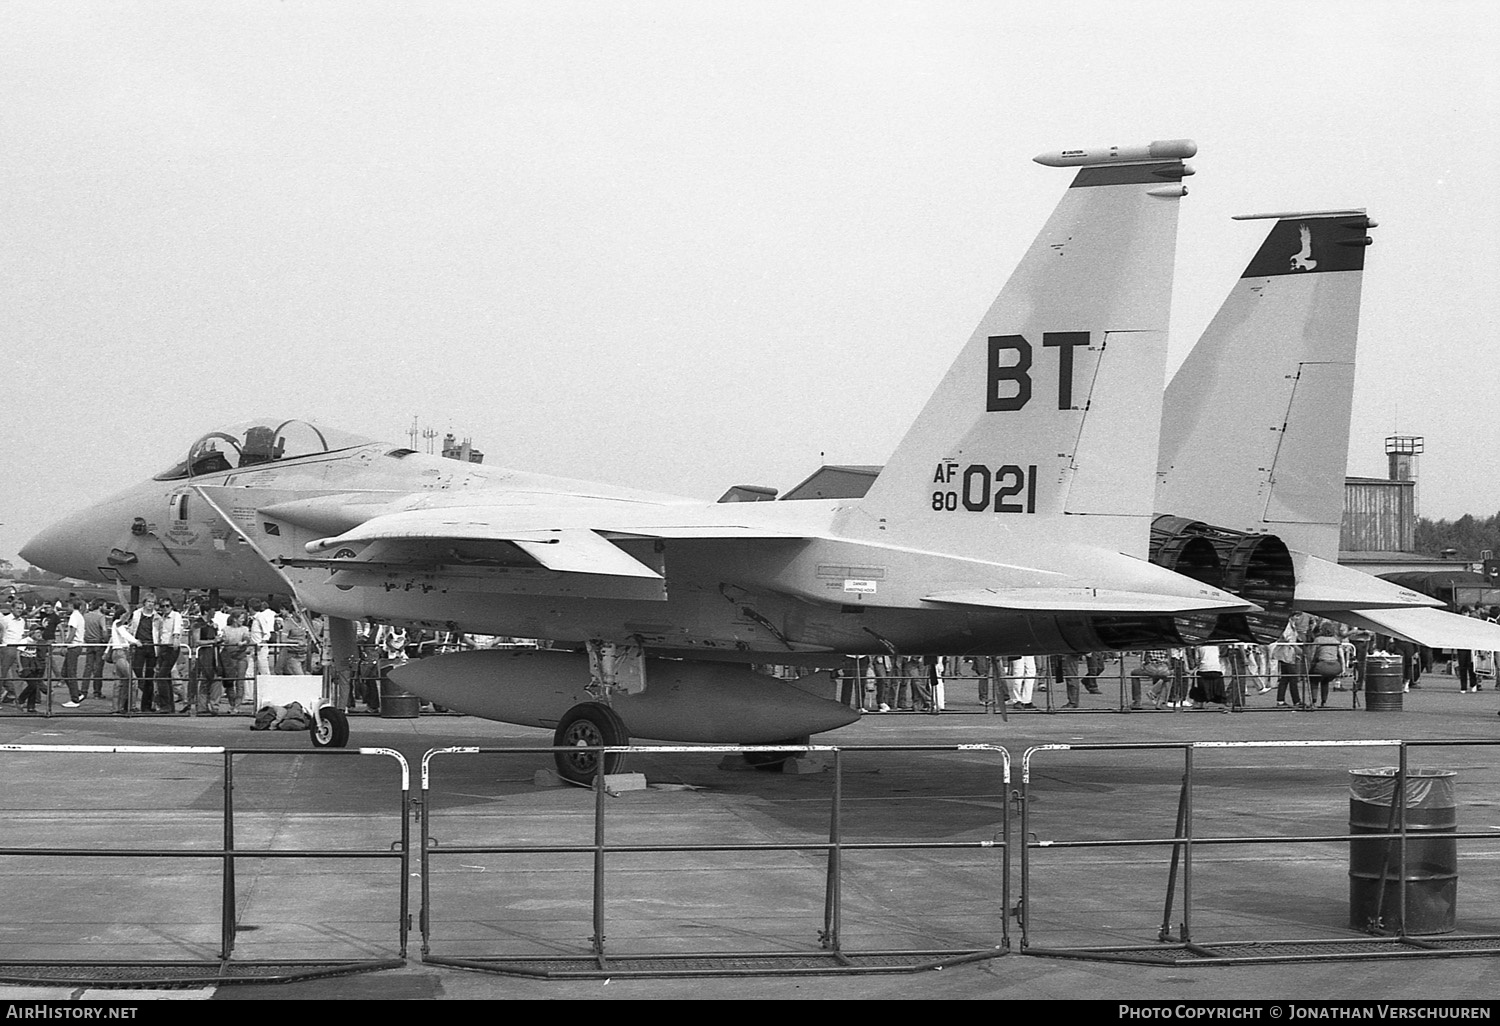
column 330, row 728
column 589, row 725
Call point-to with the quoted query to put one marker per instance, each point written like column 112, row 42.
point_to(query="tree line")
column 1469, row 534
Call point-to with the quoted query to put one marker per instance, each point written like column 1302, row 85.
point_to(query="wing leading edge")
column 1434, row 628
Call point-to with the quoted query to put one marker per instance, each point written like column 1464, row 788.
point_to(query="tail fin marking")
column 1053, row 405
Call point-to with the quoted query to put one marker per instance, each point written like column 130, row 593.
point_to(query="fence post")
column 598, row 939
column 425, row 812
column 1025, row 898
column 1400, row 803
column 1187, row 850
column 226, row 903
column 833, row 885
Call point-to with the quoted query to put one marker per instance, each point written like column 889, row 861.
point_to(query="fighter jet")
column 1014, row 516
column 1255, row 441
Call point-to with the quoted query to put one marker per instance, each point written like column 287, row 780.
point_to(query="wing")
column 536, row 542
column 1326, row 588
column 1431, row 627
column 562, row 525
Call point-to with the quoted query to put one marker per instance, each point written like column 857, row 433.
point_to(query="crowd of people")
column 202, row 657
column 198, row 655
column 162, row 659
column 1313, row 658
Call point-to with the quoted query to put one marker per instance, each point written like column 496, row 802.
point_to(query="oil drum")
column 1383, row 683
column 1376, row 876
column 397, row 703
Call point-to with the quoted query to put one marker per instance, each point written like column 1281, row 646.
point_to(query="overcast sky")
column 682, row 245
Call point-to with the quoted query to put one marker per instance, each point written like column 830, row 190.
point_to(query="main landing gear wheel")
column 589, row 725
column 330, row 728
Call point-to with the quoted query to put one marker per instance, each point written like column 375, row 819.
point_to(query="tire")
column 330, row 728
column 589, row 725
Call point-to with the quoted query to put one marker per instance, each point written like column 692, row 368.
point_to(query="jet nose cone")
column 58, row 549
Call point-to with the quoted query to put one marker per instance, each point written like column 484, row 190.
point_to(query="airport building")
column 1380, row 516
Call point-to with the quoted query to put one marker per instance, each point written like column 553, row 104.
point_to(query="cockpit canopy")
column 256, row 442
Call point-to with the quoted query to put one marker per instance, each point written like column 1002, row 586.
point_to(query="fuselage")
column 812, row 579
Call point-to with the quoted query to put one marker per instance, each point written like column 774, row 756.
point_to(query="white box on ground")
column 284, row 689
column 625, row 781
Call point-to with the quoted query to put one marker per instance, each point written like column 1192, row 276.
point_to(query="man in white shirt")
column 73, row 642
column 12, row 634
column 169, row 639
column 262, row 627
column 143, row 658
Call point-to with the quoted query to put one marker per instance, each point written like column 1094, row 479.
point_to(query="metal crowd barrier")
column 832, row 954
column 224, row 967
column 1185, row 843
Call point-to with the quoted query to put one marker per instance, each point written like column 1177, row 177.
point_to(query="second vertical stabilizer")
column 1255, row 424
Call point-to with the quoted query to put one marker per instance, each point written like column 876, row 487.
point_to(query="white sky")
column 681, row 245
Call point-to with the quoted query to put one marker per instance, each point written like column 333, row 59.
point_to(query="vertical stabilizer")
column 1255, row 424
column 1044, row 429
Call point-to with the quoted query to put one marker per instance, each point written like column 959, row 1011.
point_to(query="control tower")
column 1401, row 452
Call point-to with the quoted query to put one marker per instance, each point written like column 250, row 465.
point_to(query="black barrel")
column 397, row 703
column 1383, row 683
column 1375, row 876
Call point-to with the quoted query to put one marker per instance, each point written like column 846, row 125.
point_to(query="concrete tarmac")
column 85, row 908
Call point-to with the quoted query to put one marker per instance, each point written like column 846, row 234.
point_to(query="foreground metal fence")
column 223, row 967
column 1382, row 910
column 831, row 955
column 805, row 877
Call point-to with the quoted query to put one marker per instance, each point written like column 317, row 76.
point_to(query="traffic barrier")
column 658, row 875
column 49, row 926
column 1410, row 896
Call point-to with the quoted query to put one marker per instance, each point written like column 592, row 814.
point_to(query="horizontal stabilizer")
column 1084, row 600
column 1434, row 628
column 1326, row 588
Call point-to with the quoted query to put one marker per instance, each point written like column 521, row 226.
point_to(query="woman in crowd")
column 1327, row 662
column 122, row 642
column 234, row 658
column 1288, row 654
